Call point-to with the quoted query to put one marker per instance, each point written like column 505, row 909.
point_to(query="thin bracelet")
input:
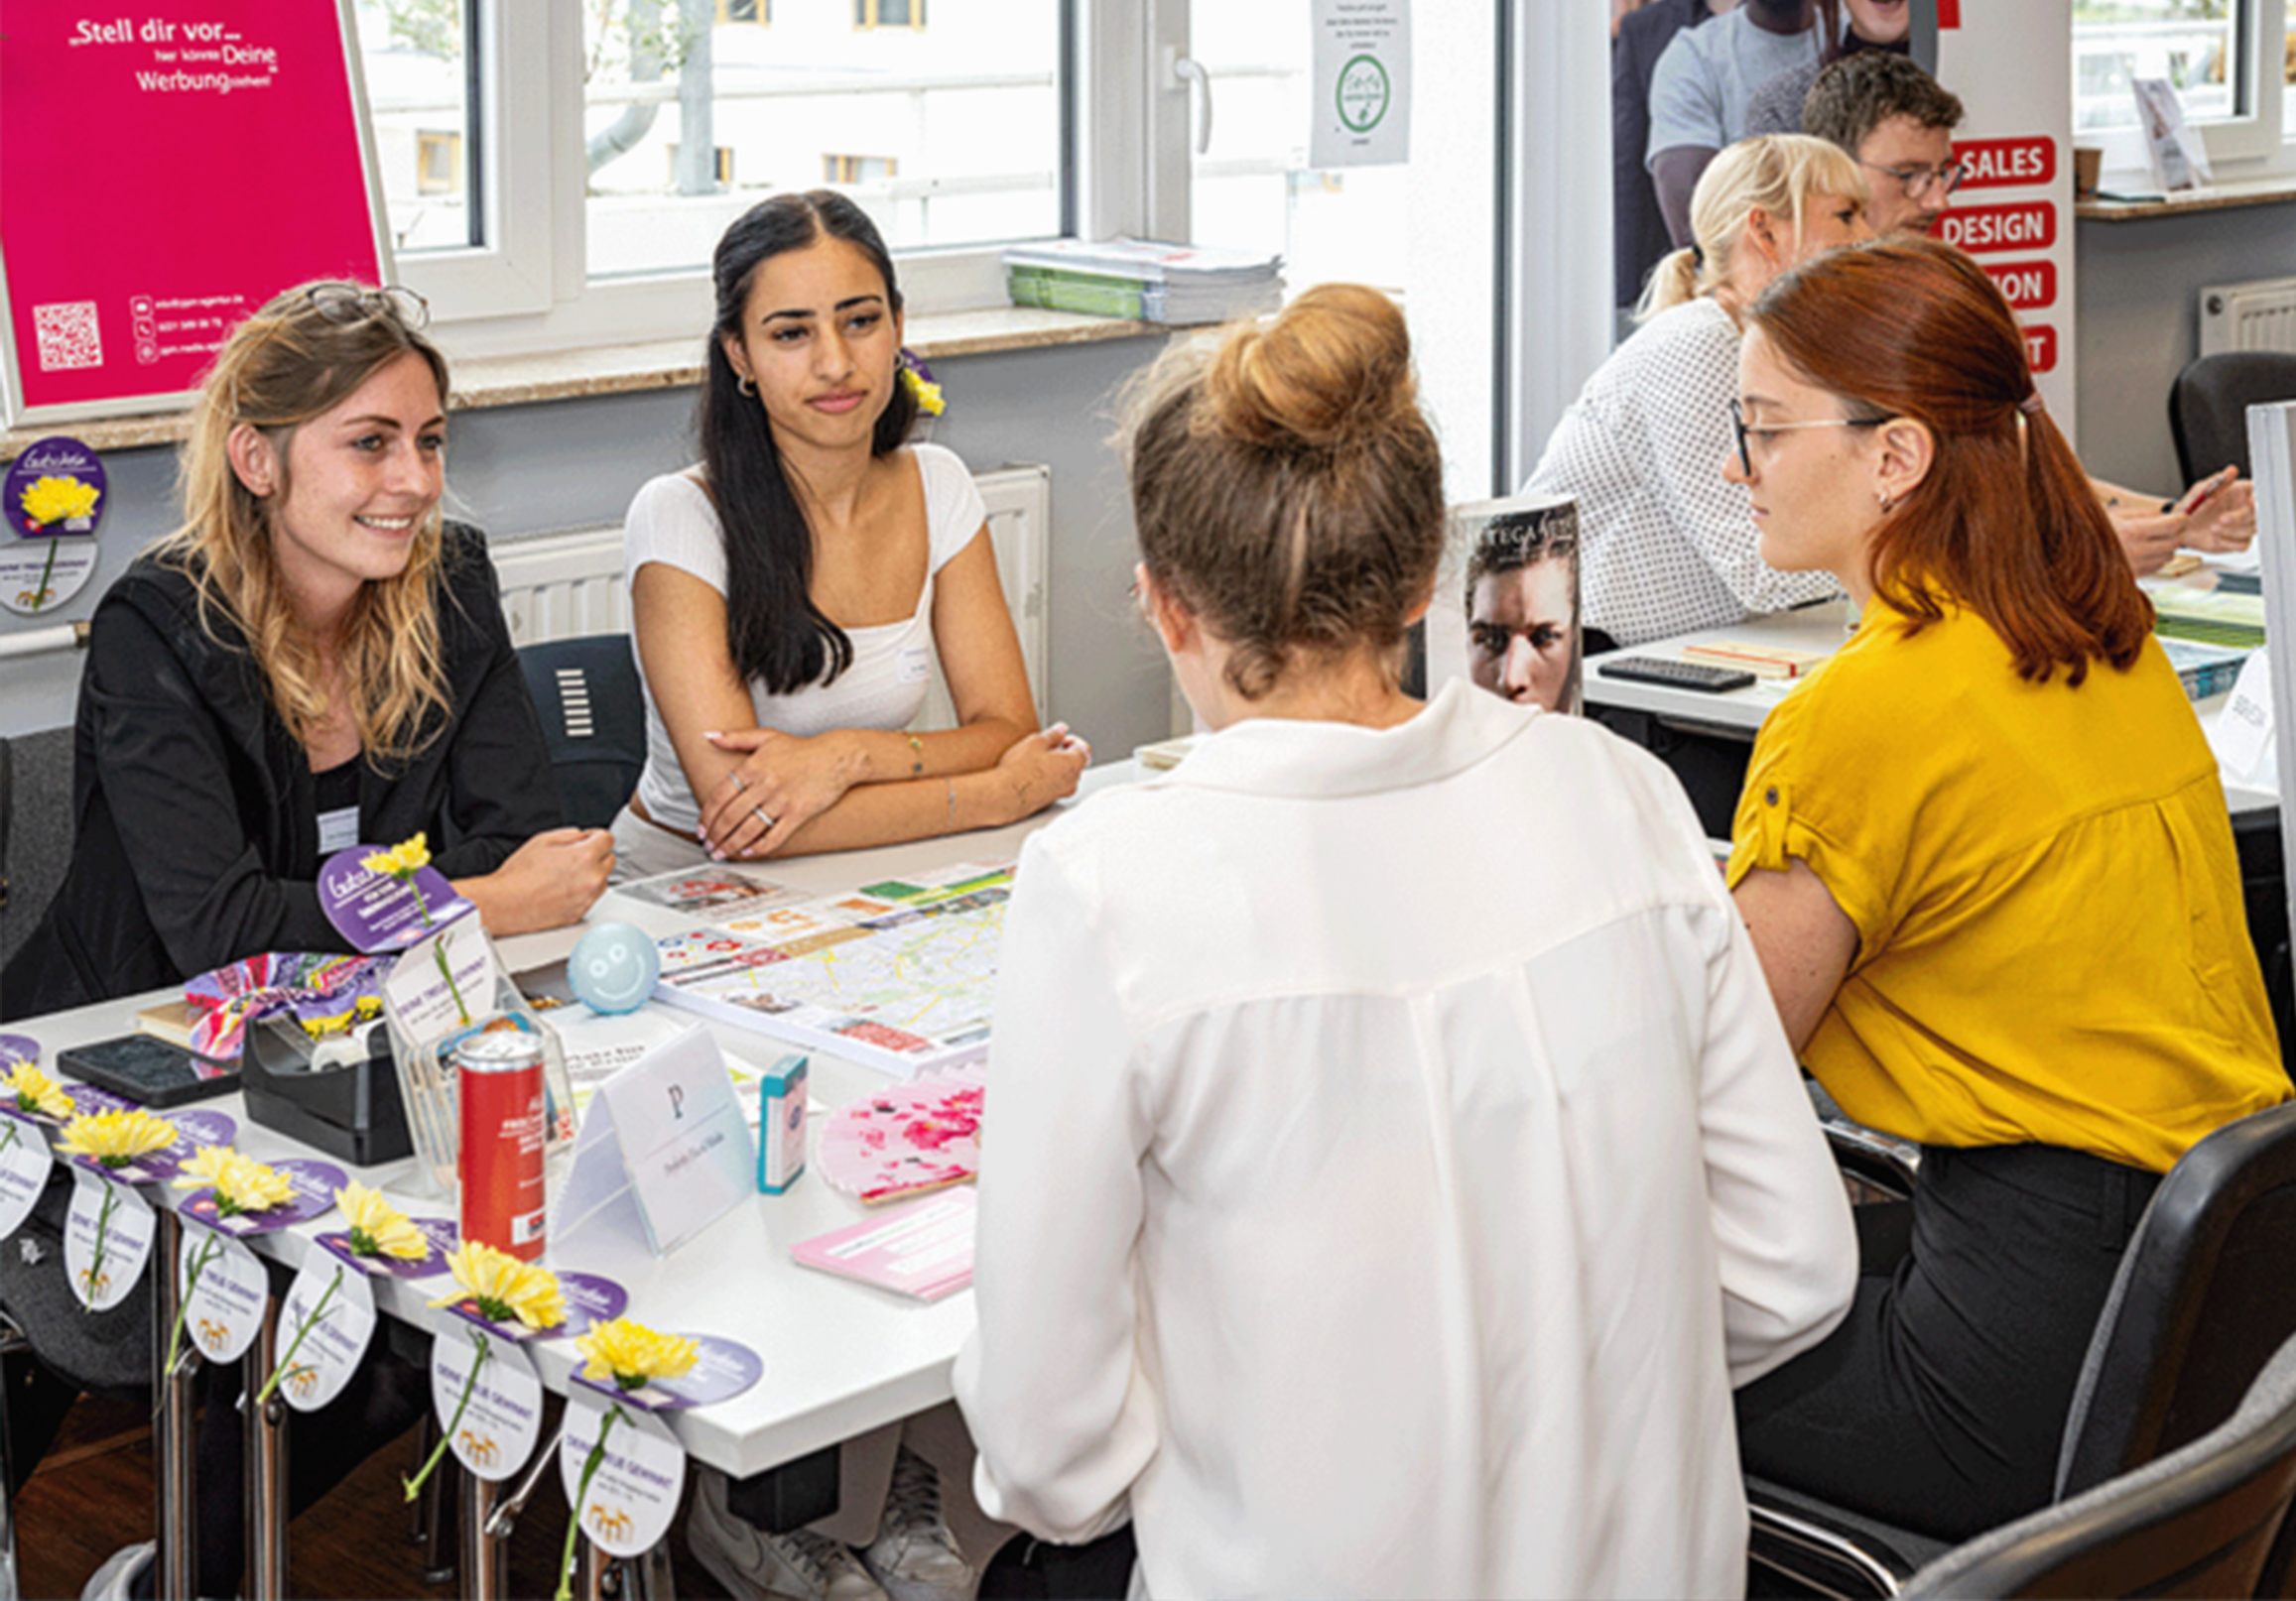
column 916, row 757
column 952, row 828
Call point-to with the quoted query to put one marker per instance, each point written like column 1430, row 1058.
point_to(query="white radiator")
column 2256, row 316
column 568, row 585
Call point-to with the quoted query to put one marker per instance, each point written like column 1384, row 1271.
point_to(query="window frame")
column 2256, row 144
column 526, row 290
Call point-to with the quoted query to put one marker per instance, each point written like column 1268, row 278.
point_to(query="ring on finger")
column 759, row 814
column 738, row 786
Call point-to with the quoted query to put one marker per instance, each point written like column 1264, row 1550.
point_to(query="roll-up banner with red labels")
column 2013, row 212
column 164, row 169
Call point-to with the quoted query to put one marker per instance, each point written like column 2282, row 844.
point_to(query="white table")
column 1737, row 713
column 840, row 1358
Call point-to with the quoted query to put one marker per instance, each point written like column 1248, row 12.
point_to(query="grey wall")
column 2138, row 321
column 526, row 470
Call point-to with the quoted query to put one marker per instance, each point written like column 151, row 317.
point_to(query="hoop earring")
column 747, row 388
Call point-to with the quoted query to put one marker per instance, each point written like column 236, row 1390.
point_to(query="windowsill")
column 483, row 382
column 2220, row 198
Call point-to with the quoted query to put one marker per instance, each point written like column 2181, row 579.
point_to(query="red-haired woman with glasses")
column 1985, row 858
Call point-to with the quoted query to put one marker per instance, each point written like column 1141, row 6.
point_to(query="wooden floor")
column 93, row 1493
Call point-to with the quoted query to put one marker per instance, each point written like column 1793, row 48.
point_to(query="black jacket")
column 196, row 837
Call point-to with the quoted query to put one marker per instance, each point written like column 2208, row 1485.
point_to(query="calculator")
column 1697, row 676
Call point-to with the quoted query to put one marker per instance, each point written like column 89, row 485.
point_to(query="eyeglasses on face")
column 344, row 303
column 1917, row 182
column 1764, row 432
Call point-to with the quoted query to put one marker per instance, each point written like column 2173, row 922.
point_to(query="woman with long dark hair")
column 791, row 590
column 1986, row 861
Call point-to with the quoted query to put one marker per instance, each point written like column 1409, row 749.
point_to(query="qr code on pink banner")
column 67, row 335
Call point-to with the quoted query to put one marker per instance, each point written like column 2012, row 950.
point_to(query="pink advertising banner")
column 165, row 167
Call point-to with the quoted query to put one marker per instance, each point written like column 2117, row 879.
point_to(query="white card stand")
column 633, row 1496
column 495, row 1433
column 101, row 1208
column 663, row 1152
column 223, row 1309
column 24, row 1169
column 318, row 1363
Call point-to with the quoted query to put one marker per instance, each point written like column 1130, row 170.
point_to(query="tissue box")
column 781, row 1124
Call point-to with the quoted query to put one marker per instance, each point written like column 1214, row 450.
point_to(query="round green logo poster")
column 1364, row 93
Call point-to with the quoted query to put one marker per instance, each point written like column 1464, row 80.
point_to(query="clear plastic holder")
column 445, row 988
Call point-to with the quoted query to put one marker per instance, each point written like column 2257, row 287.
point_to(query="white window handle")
column 1186, row 70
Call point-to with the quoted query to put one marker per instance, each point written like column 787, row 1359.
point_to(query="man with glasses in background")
column 1898, row 122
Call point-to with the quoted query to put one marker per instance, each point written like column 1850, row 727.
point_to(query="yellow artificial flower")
column 505, row 1287
column 401, row 860
column 116, row 1139
column 379, row 1229
column 631, row 1353
column 242, row 1185
column 52, row 500
column 929, row 396
column 35, row 1091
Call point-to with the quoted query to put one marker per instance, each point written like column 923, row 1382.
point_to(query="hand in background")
column 548, row 882
column 1043, row 767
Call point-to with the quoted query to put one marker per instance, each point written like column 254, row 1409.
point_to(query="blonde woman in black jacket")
column 314, row 660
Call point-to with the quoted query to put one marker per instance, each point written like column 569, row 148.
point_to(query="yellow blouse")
column 2051, row 945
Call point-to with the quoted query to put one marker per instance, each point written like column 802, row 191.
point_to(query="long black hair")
column 773, row 630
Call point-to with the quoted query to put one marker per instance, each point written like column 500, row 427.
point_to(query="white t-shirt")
column 1706, row 79
column 673, row 521
column 1398, row 1158
column 1666, row 545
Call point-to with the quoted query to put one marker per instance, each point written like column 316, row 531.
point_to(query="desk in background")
column 1708, row 738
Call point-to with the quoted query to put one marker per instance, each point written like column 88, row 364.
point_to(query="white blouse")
column 672, row 520
column 1665, row 547
column 1393, row 1159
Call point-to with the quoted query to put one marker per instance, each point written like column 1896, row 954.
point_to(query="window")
column 888, row 13
column 2232, row 63
column 416, row 97
column 858, row 168
column 438, row 162
column 970, row 121
column 606, row 146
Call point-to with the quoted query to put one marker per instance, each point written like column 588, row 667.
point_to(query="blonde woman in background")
column 1667, row 546
column 1347, row 1244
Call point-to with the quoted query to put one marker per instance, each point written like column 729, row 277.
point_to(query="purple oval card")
column 722, row 1368
column 376, row 912
column 314, row 1182
column 438, row 1233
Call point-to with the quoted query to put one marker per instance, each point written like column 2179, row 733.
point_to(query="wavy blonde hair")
column 1779, row 173
column 286, row 365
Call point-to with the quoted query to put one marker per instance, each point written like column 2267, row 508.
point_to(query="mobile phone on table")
column 148, row 1071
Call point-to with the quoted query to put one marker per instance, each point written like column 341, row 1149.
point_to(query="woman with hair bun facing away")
column 1667, row 546
column 1396, row 1159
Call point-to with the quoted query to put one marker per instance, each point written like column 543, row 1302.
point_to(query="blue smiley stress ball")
column 613, row 969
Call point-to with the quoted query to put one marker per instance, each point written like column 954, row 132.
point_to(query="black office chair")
column 593, row 717
column 2208, row 406
column 2204, row 1298
column 2201, row 1521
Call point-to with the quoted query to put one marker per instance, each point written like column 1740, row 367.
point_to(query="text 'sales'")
column 499, row 1088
